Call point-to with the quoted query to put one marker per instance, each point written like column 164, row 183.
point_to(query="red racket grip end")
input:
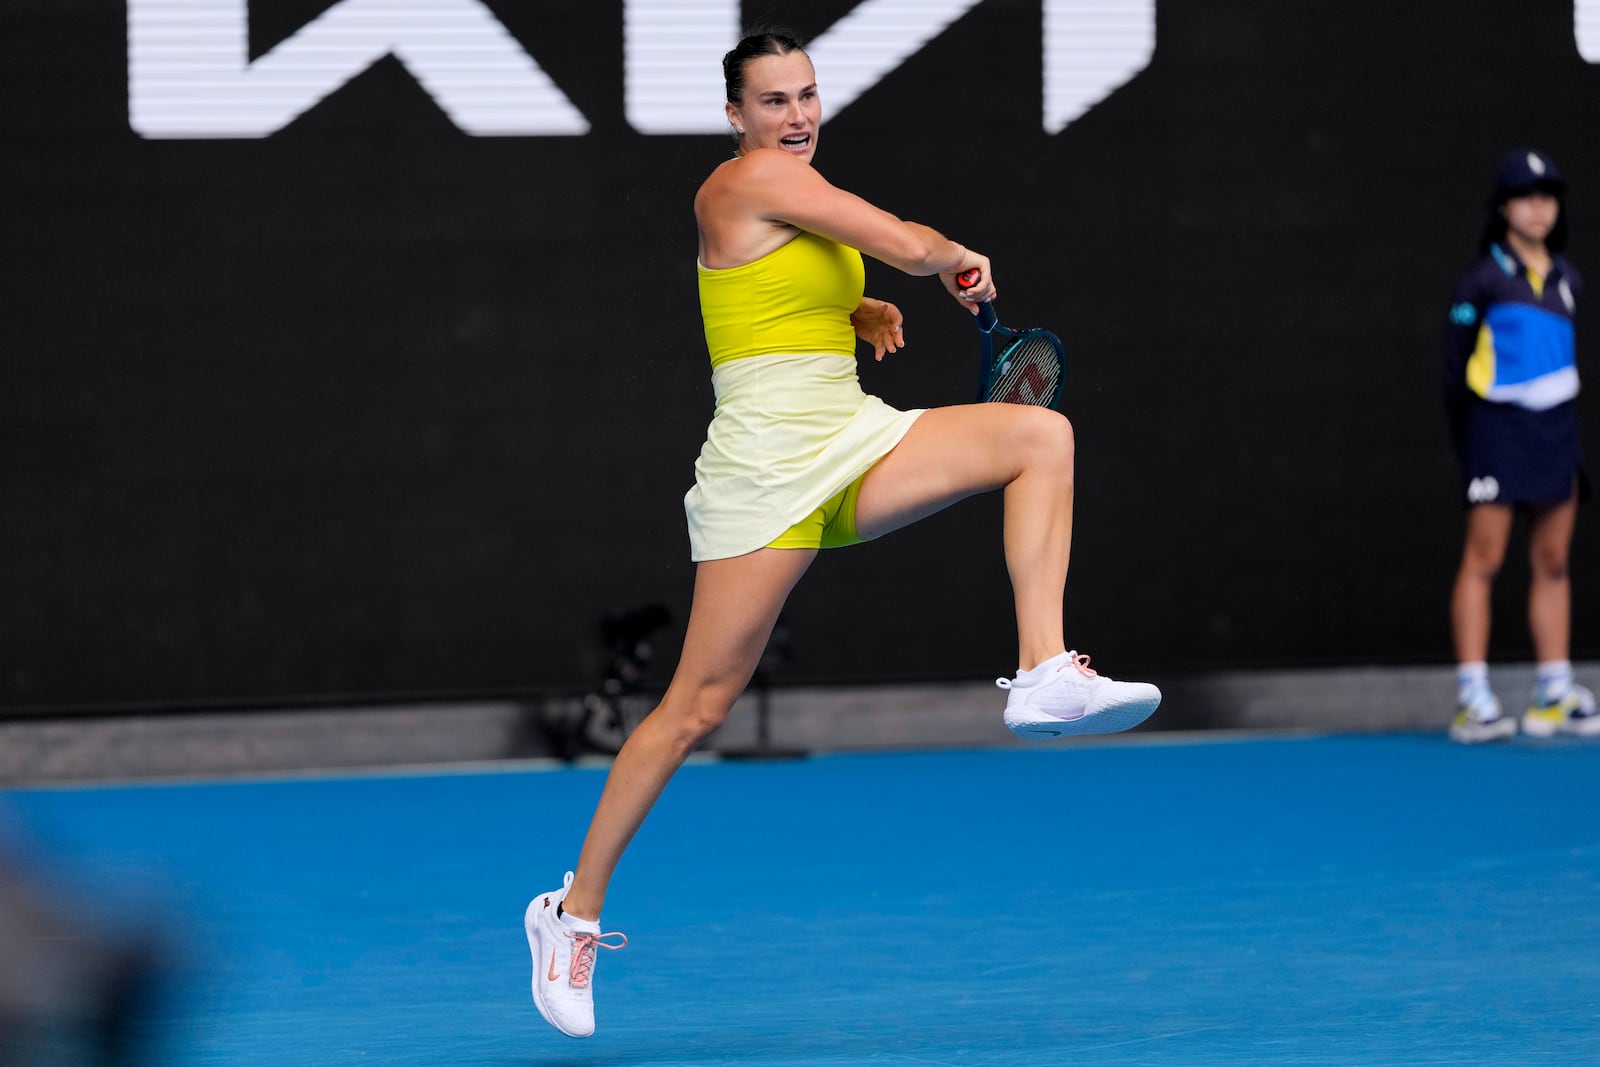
column 968, row 278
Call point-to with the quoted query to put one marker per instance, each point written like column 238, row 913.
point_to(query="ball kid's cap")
column 1525, row 170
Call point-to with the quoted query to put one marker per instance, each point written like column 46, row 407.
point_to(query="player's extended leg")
column 736, row 604
column 956, row 452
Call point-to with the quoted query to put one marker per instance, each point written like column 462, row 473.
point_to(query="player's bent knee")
column 1048, row 436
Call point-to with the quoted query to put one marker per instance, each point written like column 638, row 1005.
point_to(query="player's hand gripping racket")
column 1016, row 366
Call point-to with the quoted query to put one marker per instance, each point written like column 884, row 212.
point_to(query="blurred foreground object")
column 69, row 995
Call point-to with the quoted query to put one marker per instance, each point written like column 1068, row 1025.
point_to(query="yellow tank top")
column 796, row 298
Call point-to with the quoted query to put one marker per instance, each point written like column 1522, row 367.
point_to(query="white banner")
column 190, row 75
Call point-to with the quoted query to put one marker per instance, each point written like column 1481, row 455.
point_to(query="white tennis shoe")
column 563, row 963
column 1574, row 713
column 1062, row 697
column 1478, row 718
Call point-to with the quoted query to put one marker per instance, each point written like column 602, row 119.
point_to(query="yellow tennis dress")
column 792, row 428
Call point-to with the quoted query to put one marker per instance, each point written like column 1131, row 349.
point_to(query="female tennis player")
column 1510, row 378
column 797, row 459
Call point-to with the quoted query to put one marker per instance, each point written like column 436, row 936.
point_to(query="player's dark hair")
column 767, row 41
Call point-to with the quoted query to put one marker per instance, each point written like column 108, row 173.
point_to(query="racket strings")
column 1029, row 373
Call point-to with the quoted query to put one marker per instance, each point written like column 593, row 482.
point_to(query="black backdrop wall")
column 371, row 407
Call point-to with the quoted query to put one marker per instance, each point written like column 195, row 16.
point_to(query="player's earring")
column 740, row 129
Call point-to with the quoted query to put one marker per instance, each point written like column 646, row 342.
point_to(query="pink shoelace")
column 1073, row 660
column 583, row 946
column 1080, row 662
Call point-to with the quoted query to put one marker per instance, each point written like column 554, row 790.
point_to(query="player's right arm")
column 769, row 186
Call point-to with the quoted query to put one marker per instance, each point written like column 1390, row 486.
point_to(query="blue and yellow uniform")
column 793, row 433
column 1510, row 379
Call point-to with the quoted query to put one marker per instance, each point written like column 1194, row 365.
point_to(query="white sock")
column 1471, row 680
column 1554, row 680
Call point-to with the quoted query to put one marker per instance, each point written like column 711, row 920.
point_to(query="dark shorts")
column 1513, row 456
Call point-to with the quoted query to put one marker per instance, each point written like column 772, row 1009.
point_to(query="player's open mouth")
column 799, row 140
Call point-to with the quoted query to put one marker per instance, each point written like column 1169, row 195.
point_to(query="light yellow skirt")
column 789, row 432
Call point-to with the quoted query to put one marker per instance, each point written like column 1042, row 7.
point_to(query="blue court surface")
column 1165, row 900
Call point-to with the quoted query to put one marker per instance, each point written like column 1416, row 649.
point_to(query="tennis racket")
column 1016, row 366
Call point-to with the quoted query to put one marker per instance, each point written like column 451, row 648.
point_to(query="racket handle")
column 987, row 319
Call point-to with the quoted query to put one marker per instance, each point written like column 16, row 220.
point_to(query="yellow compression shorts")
column 833, row 525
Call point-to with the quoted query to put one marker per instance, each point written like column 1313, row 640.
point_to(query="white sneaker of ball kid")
column 563, row 962
column 1063, row 697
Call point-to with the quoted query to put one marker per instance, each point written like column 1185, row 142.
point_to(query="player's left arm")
column 880, row 324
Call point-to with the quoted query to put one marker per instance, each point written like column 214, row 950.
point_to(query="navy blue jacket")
column 1510, row 338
